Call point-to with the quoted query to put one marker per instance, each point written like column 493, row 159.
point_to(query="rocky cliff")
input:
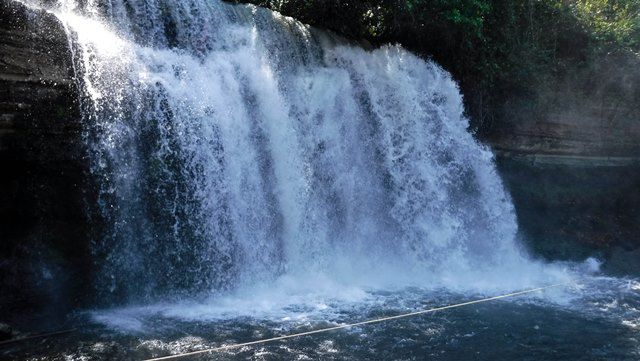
column 42, row 219
column 572, row 164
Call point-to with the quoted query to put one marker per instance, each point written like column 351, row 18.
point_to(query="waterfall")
column 233, row 146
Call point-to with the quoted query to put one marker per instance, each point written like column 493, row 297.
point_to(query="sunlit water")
column 259, row 177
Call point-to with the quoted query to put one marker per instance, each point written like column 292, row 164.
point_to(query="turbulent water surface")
column 259, row 177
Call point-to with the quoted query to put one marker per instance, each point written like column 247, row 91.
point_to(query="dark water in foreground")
column 596, row 319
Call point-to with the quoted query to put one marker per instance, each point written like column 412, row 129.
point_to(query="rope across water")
column 377, row 320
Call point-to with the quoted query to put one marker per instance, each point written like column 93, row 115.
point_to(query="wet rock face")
column 42, row 219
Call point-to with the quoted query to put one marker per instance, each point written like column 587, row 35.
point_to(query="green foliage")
column 611, row 21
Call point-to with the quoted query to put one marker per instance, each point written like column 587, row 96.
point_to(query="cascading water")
column 234, row 146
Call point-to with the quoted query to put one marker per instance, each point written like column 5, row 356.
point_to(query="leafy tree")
column 611, row 21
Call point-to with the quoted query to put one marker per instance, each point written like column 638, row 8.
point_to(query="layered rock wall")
column 572, row 164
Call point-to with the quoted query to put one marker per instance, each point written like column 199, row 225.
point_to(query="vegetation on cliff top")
column 506, row 54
